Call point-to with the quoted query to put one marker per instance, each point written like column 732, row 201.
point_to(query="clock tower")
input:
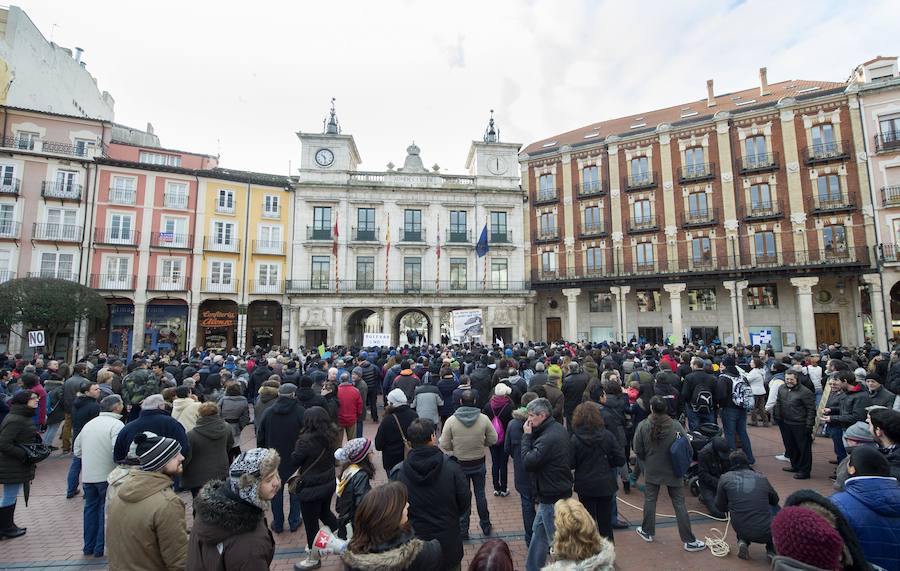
column 328, row 151
column 492, row 159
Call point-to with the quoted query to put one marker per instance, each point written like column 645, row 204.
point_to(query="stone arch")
column 401, row 326
column 359, row 321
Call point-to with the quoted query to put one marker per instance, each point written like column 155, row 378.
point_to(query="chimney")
column 78, row 52
column 710, row 94
column 149, row 128
column 763, row 82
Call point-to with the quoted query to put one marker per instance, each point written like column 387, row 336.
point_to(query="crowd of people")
column 576, row 423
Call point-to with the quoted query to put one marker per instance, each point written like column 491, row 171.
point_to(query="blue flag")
column 481, row 248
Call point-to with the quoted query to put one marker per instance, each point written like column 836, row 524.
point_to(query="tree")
column 49, row 304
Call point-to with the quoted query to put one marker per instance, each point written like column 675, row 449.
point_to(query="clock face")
column 324, row 157
column 497, row 165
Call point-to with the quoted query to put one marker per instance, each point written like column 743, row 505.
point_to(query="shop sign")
column 211, row 319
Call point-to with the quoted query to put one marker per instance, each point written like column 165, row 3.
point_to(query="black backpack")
column 702, row 401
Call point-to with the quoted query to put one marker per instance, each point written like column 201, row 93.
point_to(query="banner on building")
column 468, row 325
column 212, row 319
column 376, row 339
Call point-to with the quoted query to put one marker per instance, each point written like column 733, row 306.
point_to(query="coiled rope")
column 716, row 541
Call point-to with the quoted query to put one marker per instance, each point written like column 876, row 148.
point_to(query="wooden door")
column 554, row 329
column 828, row 328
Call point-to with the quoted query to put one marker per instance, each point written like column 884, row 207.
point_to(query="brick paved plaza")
column 54, row 525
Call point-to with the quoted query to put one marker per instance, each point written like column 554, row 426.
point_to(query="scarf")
column 345, row 477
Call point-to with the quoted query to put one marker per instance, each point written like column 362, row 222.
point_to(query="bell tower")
column 492, row 158
column 328, row 151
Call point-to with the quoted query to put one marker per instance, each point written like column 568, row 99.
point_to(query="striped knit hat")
column 154, row 451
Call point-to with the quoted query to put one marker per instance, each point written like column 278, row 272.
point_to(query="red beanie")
column 804, row 535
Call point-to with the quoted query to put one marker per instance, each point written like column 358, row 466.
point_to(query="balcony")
column 593, row 230
column 117, row 236
column 546, row 196
column 9, row 229
column 417, row 287
column 113, row 282
column 313, row 233
column 122, row 195
column 890, row 196
column 266, row 287
column 888, row 253
column 696, row 172
column 639, row 181
column 61, row 190
column 367, row 234
column 53, row 147
column 547, row 235
column 759, row 211
column 269, row 247
column 273, row 214
column 10, row 187
column 225, row 208
column 760, row 162
column 827, row 152
column 698, row 218
column 175, row 200
column 56, row 232
column 590, row 188
column 887, row 141
column 171, row 240
column 499, row 237
column 212, row 285
column 832, row 203
column 211, row 244
column 167, row 283
column 6, row 275
column 460, row 237
column 412, row 235
column 642, row 224
column 54, row 275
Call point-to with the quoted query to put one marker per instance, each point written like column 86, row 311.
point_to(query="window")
column 593, row 260
column 412, row 225
column 271, row 206
column 322, row 223
column 57, row 265
column 703, row 299
column 640, row 211
column 173, row 232
column 458, row 273
column 159, row 159
column 223, row 234
column 762, row 296
column 548, row 262
column 412, row 273
column 698, row 205
column 694, row 162
column 499, row 273
column 171, row 272
column 82, row 146
column 760, row 197
column 221, row 275
column 8, row 178
column 546, row 187
column 590, row 179
column 25, row 140
column 122, row 190
column 648, row 300
column 117, row 273
column 498, row 227
column 823, row 138
column 225, row 201
column 755, row 151
column 835, row 240
column 120, row 228
column 5, row 262
column 365, row 272
column 829, row 188
column 320, row 277
column 365, row 224
column 269, row 238
column 7, row 220
column 67, row 181
column 701, row 251
column 601, row 302
column 592, row 224
column 640, row 170
column 458, row 226
column 176, row 195
column 764, row 243
column 643, row 255
column 890, row 129
column 61, row 224
column 547, row 225
column 267, row 278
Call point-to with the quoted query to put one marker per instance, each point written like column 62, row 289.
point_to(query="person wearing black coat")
column 522, row 480
column 712, row 462
column 749, row 499
column 594, row 455
column 17, row 428
column 389, row 439
column 481, row 380
column 438, row 492
column 573, row 386
column 84, row 409
column 446, row 386
column 795, row 411
column 279, row 428
column 260, row 374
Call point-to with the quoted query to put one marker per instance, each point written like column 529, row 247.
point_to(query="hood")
column 520, row 414
column 602, row 561
column 283, row 405
column 221, row 514
column 385, row 558
column 424, row 464
column 467, row 415
column 82, row 401
column 212, row 427
column 267, row 393
column 140, row 485
column 881, row 495
column 179, row 405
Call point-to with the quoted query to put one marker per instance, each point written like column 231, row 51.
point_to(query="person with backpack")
column 735, row 399
column 666, row 389
column 697, row 394
column 499, row 411
column 654, row 441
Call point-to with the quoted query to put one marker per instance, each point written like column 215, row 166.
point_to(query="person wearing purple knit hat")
column 354, row 482
column 803, row 536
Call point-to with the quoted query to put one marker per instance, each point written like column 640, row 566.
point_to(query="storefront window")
column 166, row 328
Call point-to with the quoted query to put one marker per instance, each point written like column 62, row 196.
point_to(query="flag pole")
column 437, row 280
column 387, row 254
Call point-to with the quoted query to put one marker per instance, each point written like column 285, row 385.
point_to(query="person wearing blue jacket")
column 871, row 503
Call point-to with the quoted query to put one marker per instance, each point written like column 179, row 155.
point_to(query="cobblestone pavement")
column 53, row 541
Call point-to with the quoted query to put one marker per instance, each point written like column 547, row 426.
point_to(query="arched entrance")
column 217, row 324
column 360, row 322
column 412, row 327
column 264, row 324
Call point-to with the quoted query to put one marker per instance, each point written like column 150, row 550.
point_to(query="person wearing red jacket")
column 350, row 406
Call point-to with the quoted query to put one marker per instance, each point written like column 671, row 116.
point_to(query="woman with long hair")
column 577, row 546
column 494, row 555
column 16, row 471
column 382, row 538
column 314, row 457
column 652, row 442
column 594, row 455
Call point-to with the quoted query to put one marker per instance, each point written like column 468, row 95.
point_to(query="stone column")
column 387, row 321
column 193, row 319
column 620, row 293
column 240, row 333
column 82, row 341
column 528, row 328
column 337, row 327
column 805, row 314
column 285, row 325
column 295, row 327
column 876, row 301
column 137, row 334
column 742, row 323
column 16, row 342
column 435, row 336
column 675, row 291
column 572, row 316
column 731, row 286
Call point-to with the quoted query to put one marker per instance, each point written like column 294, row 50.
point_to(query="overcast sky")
column 240, row 78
